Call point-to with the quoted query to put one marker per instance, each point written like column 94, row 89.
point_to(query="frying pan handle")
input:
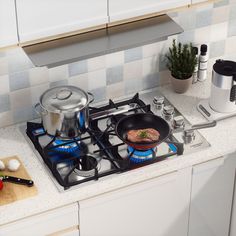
column 202, row 125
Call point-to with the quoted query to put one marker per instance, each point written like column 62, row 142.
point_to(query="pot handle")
column 91, row 99
column 38, row 109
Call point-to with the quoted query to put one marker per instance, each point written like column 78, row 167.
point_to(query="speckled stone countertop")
column 222, row 139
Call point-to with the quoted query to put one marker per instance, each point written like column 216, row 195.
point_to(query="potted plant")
column 181, row 61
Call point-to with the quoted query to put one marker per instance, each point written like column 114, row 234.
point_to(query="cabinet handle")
column 212, row 164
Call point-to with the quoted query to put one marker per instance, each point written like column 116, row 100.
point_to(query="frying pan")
column 142, row 121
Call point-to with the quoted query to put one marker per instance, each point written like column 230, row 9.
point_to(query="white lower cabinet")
column 61, row 222
column 156, row 207
column 233, row 219
column 211, row 197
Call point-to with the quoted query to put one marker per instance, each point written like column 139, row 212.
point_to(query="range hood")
column 103, row 41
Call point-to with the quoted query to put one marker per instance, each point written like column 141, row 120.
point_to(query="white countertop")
column 222, row 139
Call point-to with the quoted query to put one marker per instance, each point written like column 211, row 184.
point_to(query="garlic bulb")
column 13, row 165
column 2, row 165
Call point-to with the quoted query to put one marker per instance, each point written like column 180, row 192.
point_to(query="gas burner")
column 111, row 121
column 139, row 156
column 87, row 166
column 64, row 146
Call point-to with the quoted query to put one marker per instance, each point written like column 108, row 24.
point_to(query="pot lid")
column 63, row 99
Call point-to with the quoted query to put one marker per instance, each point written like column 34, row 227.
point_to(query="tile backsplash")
column 116, row 74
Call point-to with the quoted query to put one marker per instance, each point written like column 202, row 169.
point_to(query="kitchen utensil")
column 16, row 180
column 142, row 121
column 64, row 111
column 14, row 192
column 223, row 87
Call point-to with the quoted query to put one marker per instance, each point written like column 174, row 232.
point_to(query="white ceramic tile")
column 219, row 32
column 202, row 35
column 150, row 65
column 230, row 45
column 115, row 59
column 3, row 66
column 220, row 14
column 6, row 118
column 38, row 75
column 132, row 70
column 58, row 73
column 96, row 63
column 80, row 81
column 20, row 98
column 115, row 90
column 151, row 50
column 4, row 84
column 96, row 79
column 37, row 91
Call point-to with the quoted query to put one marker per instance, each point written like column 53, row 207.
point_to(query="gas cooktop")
column 99, row 153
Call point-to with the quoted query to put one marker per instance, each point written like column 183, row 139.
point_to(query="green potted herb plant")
column 181, row 61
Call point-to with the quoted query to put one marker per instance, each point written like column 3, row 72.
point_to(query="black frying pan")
column 142, row 121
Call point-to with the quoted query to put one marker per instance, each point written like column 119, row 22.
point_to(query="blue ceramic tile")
column 217, row 48
column 232, row 13
column 187, row 19
column 151, row 81
column 114, row 75
column 232, row 28
column 221, row 3
column 59, row 83
column 133, row 86
column 77, row 68
column 23, row 114
column 19, row 62
column 19, row 80
column 186, row 37
column 4, row 103
column 99, row 94
column 133, row 54
column 203, row 18
column 162, row 62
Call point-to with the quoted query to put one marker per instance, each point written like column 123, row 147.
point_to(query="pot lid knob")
column 63, row 94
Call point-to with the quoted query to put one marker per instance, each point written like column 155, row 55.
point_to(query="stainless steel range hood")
column 103, row 41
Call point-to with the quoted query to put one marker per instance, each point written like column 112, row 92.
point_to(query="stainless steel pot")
column 64, row 111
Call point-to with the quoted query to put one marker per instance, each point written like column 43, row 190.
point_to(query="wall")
column 116, row 74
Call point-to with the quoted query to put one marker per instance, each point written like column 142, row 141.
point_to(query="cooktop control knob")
column 189, row 136
column 178, row 122
column 158, row 102
column 168, row 112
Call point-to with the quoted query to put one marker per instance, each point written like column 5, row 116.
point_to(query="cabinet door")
column 157, row 207
column 122, row 9
column 211, row 197
column 44, row 18
column 46, row 223
column 8, row 29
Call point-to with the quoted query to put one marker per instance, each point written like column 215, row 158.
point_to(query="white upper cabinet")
column 8, row 29
column 44, row 18
column 123, row 9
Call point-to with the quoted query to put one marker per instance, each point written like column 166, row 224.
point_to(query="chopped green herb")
column 143, row 134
